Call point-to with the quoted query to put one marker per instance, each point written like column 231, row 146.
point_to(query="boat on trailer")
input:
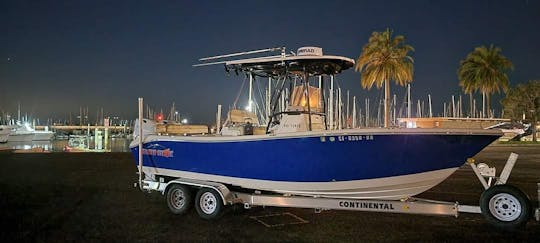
column 299, row 156
column 352, row 163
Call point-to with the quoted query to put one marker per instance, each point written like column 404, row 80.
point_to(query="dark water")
column 114, row 144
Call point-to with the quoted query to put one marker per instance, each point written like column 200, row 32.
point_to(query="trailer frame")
column 225, row 196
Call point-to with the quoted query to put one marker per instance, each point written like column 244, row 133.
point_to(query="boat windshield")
column 298, row 98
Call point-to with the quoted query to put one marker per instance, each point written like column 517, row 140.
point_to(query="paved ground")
column 90, row 197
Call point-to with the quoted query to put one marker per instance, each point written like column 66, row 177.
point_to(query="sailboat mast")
column 80, row 116
column 444, row 110
column 474, row 109
column 408, row 100
column 460, row 103
column 418, row 109
column 429, row 101
column 347, row 112
column 354, row 112
column 339, row 109
column 394, row 118
column 367, row 112
column 453, row 107
column 218, row 119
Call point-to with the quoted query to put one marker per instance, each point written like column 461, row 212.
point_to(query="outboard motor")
column 148, row 128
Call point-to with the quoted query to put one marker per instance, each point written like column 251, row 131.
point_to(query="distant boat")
column 42, row 135
column 24, row 133
column 21, row 133
column 79, row 143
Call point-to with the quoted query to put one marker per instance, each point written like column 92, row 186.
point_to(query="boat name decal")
column 167, row 153
column 371, row 205
column 294, row 125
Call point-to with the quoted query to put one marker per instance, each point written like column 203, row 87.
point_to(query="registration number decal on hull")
column 347, row 138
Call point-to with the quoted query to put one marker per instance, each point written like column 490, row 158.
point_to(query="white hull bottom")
column 389, row 188
column 42, row 136
column 21, row 137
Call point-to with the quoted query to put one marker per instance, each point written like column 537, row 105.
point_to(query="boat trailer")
column 501, row 204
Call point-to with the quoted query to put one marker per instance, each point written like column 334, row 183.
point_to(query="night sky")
column 56, row 56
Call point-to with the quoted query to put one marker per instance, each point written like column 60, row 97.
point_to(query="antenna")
column 281, row 49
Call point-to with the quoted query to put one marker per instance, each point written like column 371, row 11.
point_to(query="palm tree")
column 384, row 59
column 523, row 103
column 484, row 69
column 468, row 88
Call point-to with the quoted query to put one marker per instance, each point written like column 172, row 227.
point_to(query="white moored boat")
column 21, row 133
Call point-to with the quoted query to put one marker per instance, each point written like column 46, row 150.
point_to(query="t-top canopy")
column 309, row 60
column 280, row 65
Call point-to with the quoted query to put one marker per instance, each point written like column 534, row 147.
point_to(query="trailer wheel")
column 179, row 198
column 208, row 203
column 505, row 206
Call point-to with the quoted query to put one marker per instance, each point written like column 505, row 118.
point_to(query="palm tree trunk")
column 483, row 104
column 386, row 103
column 470, row 105
column 535, row 139
column 488, row 105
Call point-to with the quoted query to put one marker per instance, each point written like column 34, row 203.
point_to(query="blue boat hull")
column 315, row 160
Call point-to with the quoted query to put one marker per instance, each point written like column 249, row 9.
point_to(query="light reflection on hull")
column 116, row 145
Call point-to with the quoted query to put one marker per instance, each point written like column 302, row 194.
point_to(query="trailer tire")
column 208, row 204
column 505, row 207
column 179, row 198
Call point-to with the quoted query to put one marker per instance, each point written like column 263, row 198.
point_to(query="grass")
column 87, row 197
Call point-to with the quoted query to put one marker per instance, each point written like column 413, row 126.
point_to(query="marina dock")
column 84, row 127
